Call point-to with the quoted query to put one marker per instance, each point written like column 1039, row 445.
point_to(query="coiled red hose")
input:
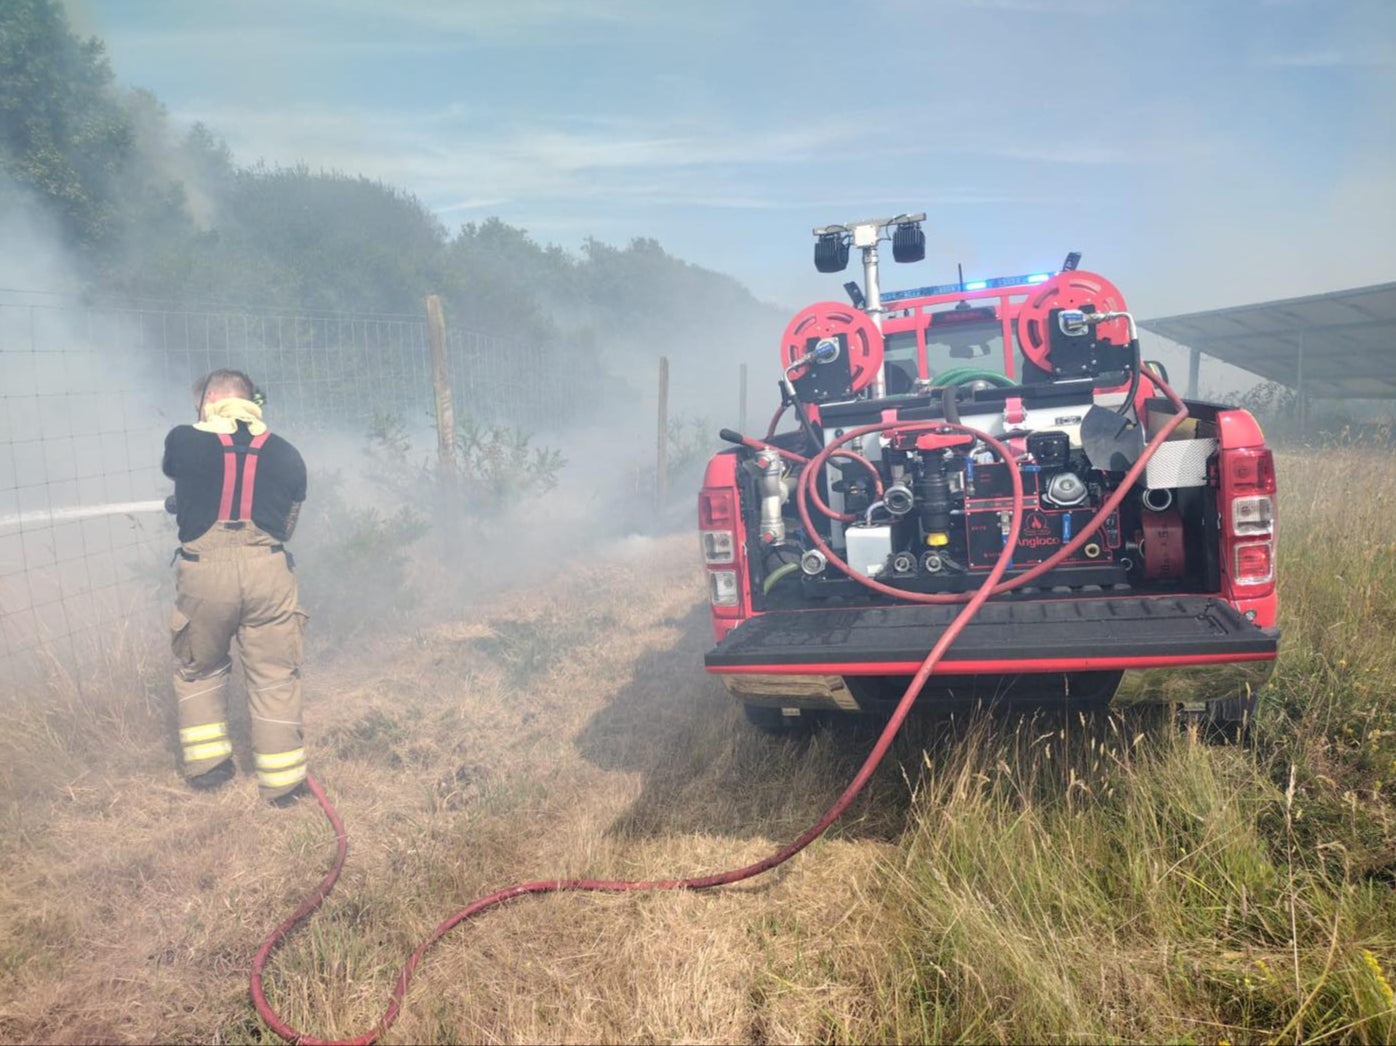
column 973, row 601
column 806, row 492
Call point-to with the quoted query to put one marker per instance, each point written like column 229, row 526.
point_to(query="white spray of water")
column 48, row 517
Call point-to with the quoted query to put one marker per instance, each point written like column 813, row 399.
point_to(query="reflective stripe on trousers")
column 280, row 769
column 209, row 741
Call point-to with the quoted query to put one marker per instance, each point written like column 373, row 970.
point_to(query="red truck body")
column 1171, row 601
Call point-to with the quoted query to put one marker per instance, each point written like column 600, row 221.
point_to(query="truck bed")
column 1047, row 635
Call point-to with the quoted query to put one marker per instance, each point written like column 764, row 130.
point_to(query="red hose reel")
column 1073, row 289
column 861, row 339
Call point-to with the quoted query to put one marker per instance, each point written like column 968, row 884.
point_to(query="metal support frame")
column 874, row 309
column 1302, row 393
column 865, row 235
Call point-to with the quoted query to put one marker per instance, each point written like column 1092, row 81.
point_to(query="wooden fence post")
column 441, row 380
column 661, row 488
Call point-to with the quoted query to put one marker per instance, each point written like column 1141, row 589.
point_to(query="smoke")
column 31, row 255
column 80, row 434
column 160, row 157
column 91, row 386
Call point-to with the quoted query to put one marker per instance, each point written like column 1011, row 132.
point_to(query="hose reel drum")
column 851, row 370
column 1072, row 289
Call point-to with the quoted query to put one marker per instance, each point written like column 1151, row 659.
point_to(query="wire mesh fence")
column 88, row 391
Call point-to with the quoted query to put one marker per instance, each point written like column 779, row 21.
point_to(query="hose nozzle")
column 1076, row 322
column 825, row 351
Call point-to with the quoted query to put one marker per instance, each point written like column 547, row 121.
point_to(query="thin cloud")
column 266, row 39
column 492, row 17
column 350, row 29
column 1055, row 8
column 1328, row 59
column 1071, row 154
column 461, row 159
column 442, row 152
column 472, row 203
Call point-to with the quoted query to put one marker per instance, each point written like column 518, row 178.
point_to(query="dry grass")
column 567, row 734
column 1003, row 880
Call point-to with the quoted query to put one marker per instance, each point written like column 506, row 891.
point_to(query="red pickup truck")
column 827, row 590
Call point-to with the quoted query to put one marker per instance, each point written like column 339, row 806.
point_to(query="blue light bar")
column 976, row 285
column 922, row 292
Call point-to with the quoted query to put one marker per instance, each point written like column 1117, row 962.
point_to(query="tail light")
column 716, row 508
column 1248, row 470
column 717, row 523
column 1248, row 519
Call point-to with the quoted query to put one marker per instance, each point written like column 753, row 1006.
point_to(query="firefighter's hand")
column 170, row 506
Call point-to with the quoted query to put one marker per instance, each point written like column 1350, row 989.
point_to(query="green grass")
column 1066, row 886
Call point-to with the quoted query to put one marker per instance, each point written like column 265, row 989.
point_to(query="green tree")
column 64, row 135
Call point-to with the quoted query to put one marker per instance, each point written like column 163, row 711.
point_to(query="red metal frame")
column 1012, row 301
column 917, row 322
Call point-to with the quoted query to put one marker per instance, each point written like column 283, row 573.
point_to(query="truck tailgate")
column 1010, row 636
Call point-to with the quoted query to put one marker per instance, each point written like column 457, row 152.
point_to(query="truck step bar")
column 1049, row 635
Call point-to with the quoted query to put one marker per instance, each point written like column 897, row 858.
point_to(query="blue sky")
column 1199, row 153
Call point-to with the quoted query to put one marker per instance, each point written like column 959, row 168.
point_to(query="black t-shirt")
column 194, row 460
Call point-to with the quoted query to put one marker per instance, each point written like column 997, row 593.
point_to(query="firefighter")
column 238, row 494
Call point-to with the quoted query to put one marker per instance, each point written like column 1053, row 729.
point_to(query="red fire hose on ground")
column 973, row 601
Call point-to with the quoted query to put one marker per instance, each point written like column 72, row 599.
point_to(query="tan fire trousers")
column 233, row 582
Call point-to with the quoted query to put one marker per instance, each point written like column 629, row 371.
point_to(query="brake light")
column 1248, row 470
column 715, row 508
column 1255, row 563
